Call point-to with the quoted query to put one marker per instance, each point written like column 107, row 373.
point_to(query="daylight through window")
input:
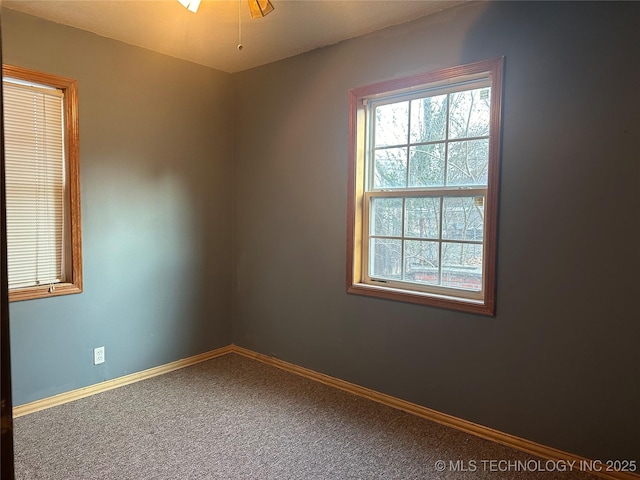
column 423, row 188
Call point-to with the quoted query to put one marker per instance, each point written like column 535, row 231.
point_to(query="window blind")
column 35, row 183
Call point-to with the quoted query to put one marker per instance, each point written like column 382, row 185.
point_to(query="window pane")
column 462, row 266
column 463, row 218
column 385, row 258
column 469, row 115
column 392, row 124
column 426, row 165
column 390, row 168
column 428, row 119
column 468, row 162
column 421, row 261
column 422, row 217
column 386, row 217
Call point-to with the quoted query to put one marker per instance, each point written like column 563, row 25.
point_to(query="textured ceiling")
column 210, row 37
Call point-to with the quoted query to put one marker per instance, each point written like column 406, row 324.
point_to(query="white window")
column 42, row 184
column 423, row 188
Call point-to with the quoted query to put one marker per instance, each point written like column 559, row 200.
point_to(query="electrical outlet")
column 98, row 355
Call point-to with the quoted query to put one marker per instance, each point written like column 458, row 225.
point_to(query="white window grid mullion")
column 368, row 184
column 366, row 236
column 409, row 192
column 368, row 198
column 404, row 199
column 446, row 168
column 440, row 221
column 408, row 147
column 402, row 266
column 387, row 237
column 430, row 192
column 446, row 140
column 370, row 147
column 427, row 239
column 435, row 142
column 464, row 242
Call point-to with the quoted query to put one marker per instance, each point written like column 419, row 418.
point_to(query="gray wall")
column 559, row 363
column 155, row 153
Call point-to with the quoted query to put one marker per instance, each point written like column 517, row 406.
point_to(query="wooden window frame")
column 357, row 281
column 73, row 282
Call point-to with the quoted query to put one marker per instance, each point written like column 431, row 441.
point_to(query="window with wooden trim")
column 44, row 256
column 423, row 188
